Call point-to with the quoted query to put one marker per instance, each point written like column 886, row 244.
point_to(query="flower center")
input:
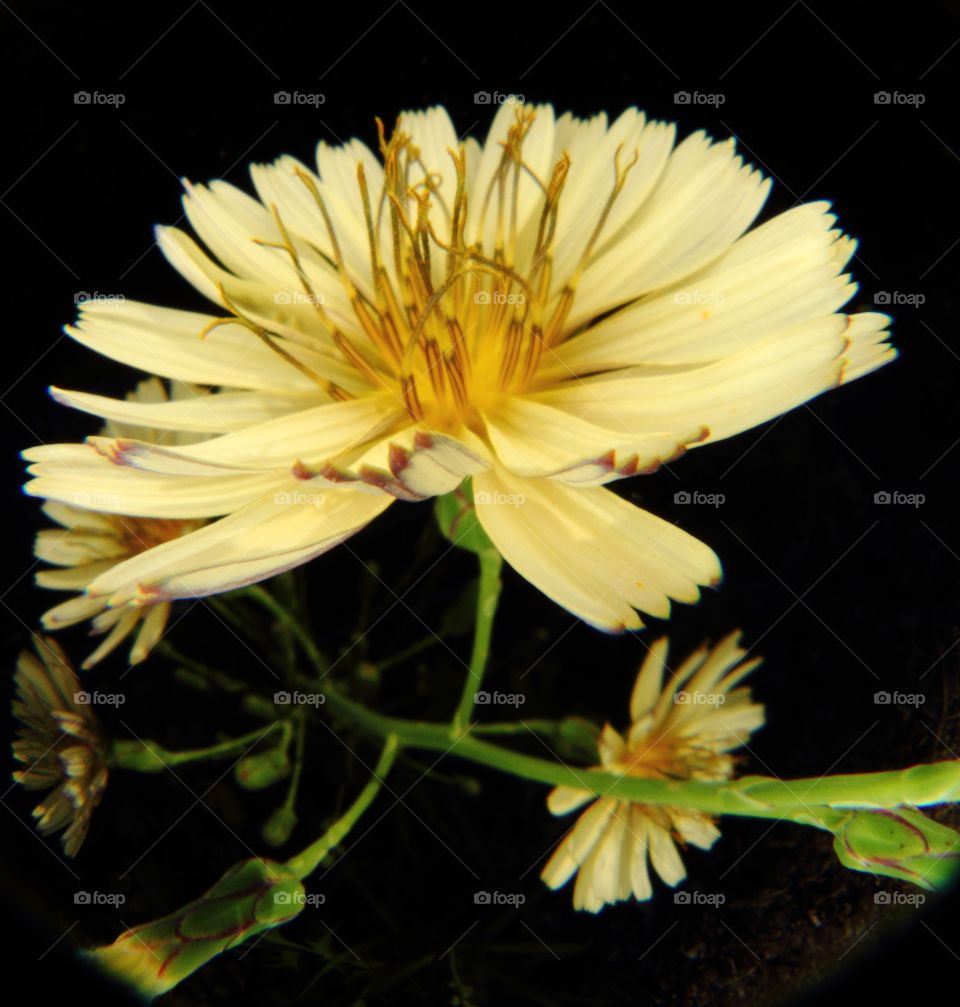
column 449, row 324
column 667, row 757
column 140, row 534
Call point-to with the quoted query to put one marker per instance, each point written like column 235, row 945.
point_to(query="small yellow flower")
column 59, row 741
column 567, row 304
column 91, row 542
column 684, row 731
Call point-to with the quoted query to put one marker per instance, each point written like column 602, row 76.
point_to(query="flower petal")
column 589, row 550
column 167, row 342
column 209, row 412
column 735, row 393
column 534, row 439
column 577, row 844
column 786, row 271
column 281, row 530
column 704, row 200
column 649, row 682
column 309, row 437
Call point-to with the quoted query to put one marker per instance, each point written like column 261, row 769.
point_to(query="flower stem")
column 808, row 801
column 149, row 757
column 308, row 860
column 488, row 597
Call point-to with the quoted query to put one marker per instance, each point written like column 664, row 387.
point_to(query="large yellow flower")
column 571, row 302
column 682, row 731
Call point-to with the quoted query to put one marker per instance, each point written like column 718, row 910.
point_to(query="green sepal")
column 457, row 519
column 898, row 843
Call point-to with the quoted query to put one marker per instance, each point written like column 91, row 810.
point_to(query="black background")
column 848, row 596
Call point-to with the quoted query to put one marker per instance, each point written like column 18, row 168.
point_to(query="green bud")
column 262, row 769
column 577, row 740
column 898, row 843
column 279, row 826
column 251, row 897
column 140, row 756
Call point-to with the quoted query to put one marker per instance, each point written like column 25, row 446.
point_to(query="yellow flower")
column 684, row 731
column 60, row 742
column 570, row 302
column 92, row 541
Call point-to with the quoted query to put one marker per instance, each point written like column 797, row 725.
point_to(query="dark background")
column 844, row 596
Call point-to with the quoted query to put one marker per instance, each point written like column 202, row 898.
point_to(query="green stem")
column 802, row 800
column 488, row 596
column 405, row 655
column 308, row 860
column 521, row 727
column 149, row 757
column 300, row 743
column 218, row 678
column 310, row 649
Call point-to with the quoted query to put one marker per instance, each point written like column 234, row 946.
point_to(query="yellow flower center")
column 452, row 325
column 667, row 756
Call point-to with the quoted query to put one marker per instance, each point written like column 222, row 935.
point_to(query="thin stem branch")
column 307, row 861
column 488, row 597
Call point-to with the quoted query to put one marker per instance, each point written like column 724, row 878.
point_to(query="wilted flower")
column 569, row 303
column 92, row 541
column 59, row 741
column 683, row 731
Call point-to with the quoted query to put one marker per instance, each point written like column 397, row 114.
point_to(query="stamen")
column 237, row 318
